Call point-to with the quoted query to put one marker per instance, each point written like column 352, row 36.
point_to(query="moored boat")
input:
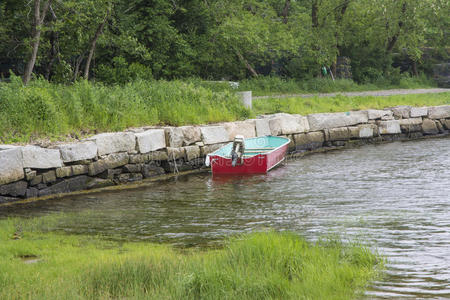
column 249, row 156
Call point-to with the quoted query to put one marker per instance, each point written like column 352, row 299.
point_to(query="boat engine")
column 237, row 152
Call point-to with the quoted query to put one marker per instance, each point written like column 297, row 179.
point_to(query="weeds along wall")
column 42, row 108
column 115, row 158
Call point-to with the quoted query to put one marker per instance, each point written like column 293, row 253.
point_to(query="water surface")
column 395, row 197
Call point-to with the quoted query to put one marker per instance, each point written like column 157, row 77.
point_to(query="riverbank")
column 46, row 265
column 109, row 159
column 42, row 112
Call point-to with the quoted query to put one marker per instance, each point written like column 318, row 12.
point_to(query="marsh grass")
column 264, row 265
column 305, row 106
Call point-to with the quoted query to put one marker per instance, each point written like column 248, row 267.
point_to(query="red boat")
column 249, row 156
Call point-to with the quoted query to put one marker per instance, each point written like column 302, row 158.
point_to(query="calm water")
column 396, row 197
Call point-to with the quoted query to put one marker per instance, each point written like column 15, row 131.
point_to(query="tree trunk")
column 38, row 21
column 339, row 17
column 414, row 68
column 315, row 14
column 99, row 32
column 393, row 40
column 77, row 67
column 285, row 13
column 247, row 65
column 53, row 53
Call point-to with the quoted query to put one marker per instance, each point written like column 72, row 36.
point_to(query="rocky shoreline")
column 110, row 159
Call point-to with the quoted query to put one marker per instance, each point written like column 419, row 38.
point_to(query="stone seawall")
column 109, row 159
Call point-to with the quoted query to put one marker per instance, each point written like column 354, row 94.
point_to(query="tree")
column 38, row 21
column 93, row 43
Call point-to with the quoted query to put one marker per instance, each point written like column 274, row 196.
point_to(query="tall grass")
column 52, row 111
column 44, row 109
column 266, row 265
column 262, row 86
column 341, row 103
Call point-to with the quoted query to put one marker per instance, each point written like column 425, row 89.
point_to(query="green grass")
column 305, row 106
column 263, row 86
column 42, row 109
column 266, row 265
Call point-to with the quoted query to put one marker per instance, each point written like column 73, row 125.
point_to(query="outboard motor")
column 237, row 152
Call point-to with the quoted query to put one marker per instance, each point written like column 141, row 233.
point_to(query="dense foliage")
column 115, row 41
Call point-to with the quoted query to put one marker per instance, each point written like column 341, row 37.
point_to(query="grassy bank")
column 52, row 110
column 37, row 264
column 263, row 86
column 305, row 106
column 272, row 85
column 48, row 111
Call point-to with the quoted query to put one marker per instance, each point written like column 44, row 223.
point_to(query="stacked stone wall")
column 115, row 158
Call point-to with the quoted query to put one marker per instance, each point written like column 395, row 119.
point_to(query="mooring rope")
column 175, row 169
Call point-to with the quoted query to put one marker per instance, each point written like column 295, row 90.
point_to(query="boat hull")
column 258, row 164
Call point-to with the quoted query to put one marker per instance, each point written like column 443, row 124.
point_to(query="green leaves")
column 221, row 39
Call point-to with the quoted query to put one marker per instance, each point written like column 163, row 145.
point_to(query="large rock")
column 175, row 153
column 247, row 129
column 309, row 141
column 16, row 189
column 367, row 131
column 374, row 114
column 401, row 112
column 334, row 120
column 283, row 124
column 78, row 151
column 429, row 127
column 174, row 137
column 11, row 165
column 214, row 135
column 79, row 170
column 439, row 112
column 8, row 147
column 49, row 176
column 150, row 170
column 150, row 140
column 158, row 155
column 262, row 127
column 191, row 135
column 114, row 142
column 66, row 186
column 64, row 172
column 389, row 127
column 446, row 123
column 112, row 161
column 41, row 158
column 411, row 125
column 192, row 152
column 417, row 112
column 410, row 121
column 98, row 183
column 337, row 134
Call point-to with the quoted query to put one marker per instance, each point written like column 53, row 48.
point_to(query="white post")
column 246, row 98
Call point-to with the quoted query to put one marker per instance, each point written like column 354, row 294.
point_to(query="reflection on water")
column 396, row 197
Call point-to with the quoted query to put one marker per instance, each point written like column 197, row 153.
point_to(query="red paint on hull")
column 258, row 164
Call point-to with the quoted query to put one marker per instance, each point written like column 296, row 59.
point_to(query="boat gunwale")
column 282, row 145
